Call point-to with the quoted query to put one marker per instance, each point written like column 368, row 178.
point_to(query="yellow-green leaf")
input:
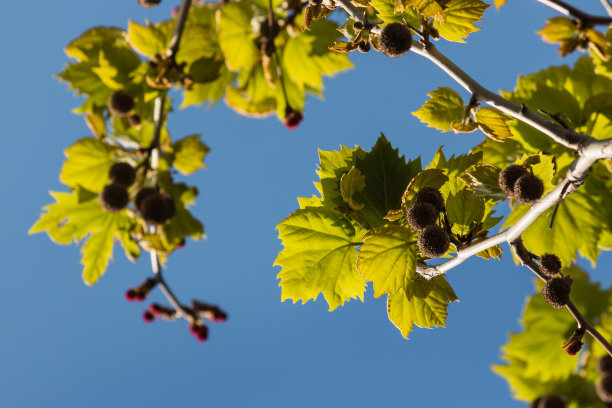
column 98, row 250
column 150, row 39
column 351, row 183
column 558, row 29
column 236, row 36
column 388, row 258
column 493, row 123
column 460, row 18
column 444, row 107
column 319, row 257
column 189, row 154
column 87, row 164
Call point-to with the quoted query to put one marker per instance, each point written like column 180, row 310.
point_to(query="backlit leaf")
column 444, row 107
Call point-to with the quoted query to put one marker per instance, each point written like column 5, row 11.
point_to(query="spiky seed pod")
column 420, row 215
column 433, row 241
column 604, row 365
column 551, row 401
column 556, row 292
column 604, row 388
column 122, row 173
column 149, row 3
column 395, row 40
column 528, row 188
column 535, row 402
column 114, row 197
column 120, row 104
column 363, row 47
column 142, row 194
column 155, row 209
column 550, row 265
column 432, row 196
column 508, row 176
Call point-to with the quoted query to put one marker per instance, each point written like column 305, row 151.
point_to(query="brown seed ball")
column 433, row 241
column 528, row 189
column 604, row 388
column 551, row 401
column 363, row 47
column 604, row 365
column 156, row 210
column 550, row 265
column 114, row 197
column 420, row 215
column 120, row 103
column 149, row 3
column 432, row 196
column 556, row 292
column 122, row 173
column 265, row 29
column 142, row 194
column 134, row 120
column 535, row 402
column 395, row 40
column 508, row 176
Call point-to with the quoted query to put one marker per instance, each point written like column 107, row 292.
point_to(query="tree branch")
column 523, row 255
column 571, row 11
column 608, row 6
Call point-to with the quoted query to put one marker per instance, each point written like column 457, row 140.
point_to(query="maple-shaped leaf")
column 388, row 258
column 423, row 303
column 319, row 257
column 87, row 164
column 444, row 107
column 460, row 18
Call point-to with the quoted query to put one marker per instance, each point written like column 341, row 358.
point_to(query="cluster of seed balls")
column 557, row 289
column 423, row 215
column 548, row 401
column 604, row 386
column 156, row 208
column 519, row 183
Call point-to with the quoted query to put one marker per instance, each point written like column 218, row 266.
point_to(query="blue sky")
column 67, row 345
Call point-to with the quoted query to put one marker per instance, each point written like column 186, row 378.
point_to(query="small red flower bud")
column 199, row 331
column 148, row 317
column 292, row 118
column 219, row 316
column 574, row 347
column 140, row 296
column 130, row 295
column 175, row 12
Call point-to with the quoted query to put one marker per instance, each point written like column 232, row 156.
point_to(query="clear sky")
column 63, row 344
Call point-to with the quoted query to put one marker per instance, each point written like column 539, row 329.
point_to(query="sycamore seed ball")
column 420, row 215
column 149, row 3
column 433, row 241
column 535, row 402
column 550, row 264
column 551, row 401
column 604, row 388
column 122, row 173
column 395, row 40
column 528, row 189
column 142, row 194
column 432, row 196
column 604, row 365
column 120, row 103
column 556, row 292
column 156, row 209
column 114, row 197
column 508, row 176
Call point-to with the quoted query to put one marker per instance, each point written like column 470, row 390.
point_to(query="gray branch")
column 571, row 11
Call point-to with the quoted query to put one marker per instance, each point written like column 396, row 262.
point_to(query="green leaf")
column 388, row 258
column 482, row 180
column 189, row 154
column 463, row 210
column 388, row 12
column 453, row 168
column 434, row 178
column 558, row 29
column 574, row 229
column 444, row 108
column 87, row 164
column 98, row 249
column 306, row 57
column 493, row 123
column 351, row 183
column 319, row 257
column 86, row 47
column 85, row 82
column 210, row 92
column 256, row 98
column 386, row 176
column 236, row 38
column 543, row 167
column 423, row 303
column 151, row 39
column 115, row 66
column 460, row 18
column 183, row 225
column 428, row 8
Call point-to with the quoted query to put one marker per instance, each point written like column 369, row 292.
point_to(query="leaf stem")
column 523, row 255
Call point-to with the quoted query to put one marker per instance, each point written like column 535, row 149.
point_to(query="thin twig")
column 179, row 27
column 523, row 255
column 571, row 11
column 608, row 6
